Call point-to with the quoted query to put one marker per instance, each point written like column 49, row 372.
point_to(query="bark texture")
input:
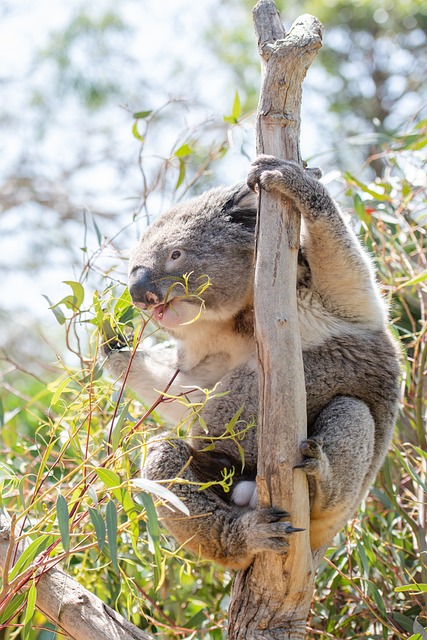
column 271, row 599
column 75, row 610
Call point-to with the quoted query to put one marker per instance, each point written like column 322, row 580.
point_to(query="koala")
column 351, row 364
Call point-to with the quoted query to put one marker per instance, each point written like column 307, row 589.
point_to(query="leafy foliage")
column 71, row 449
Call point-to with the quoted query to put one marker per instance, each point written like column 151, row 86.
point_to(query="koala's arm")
column 341, row 271
column 153, row 369
column 150, row 373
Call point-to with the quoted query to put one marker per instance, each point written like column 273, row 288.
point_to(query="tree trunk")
column 271, row 599
column 75, row 610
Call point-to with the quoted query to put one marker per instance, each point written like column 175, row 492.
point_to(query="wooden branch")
column 272, row 598
column 75, row 610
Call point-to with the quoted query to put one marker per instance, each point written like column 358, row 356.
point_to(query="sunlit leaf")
column 29, row 554
column 12, row 607
column 108, row 477
column 78, row 291
column 58, row 387
column 422, row 277
column 181, row 176
column 136, row 133
column 161, row 492
column 117, row 429
column 236, row 110
column 413, row 588
column 29, row 610
column 183, row 151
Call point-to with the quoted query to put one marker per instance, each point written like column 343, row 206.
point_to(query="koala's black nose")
column 142, row 289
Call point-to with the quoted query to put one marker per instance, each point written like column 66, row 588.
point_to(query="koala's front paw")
column 113, row 344
column 265, row 171
column 116, row 361
column 285, row 175
column 266, row 531
column 315, row 462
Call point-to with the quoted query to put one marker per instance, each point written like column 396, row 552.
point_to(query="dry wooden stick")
column 271, row 599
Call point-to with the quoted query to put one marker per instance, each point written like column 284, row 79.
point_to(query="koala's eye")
column 175, row 255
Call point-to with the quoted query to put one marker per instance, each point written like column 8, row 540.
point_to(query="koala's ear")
column 241, row 208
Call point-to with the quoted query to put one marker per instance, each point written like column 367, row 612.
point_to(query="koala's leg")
column 338, row 460
column 340, row 270
column 214, row 530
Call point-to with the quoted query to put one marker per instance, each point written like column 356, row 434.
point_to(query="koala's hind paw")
column 267, row 531
column 315, row 461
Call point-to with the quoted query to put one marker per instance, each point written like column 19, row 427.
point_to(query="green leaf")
column 108, row 477
column 360, row 210
column 136, row 133
column 182, row 170
column 375, row 194
column 404, row 621
column 410, row 469
column 111, row 518
column 56, row 312
column 12, row 608
column 63, row 517
column 117, row 429
column 153, row 532
column 123, row 303
column 414, row 588
column 29, row 611
column 152, row 522
column 99, row 526
column 183, row 151
column 29, row 554
column 58, row 387
column 422, row 277
column 235, row 111
column 142, row 114
column 78, row 293
column 161, row 492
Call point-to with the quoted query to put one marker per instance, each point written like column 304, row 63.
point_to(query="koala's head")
column 208, row 237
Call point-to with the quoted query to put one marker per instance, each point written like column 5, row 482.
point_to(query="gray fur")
column 350, row 361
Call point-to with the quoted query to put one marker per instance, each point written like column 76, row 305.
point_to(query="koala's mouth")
column 159, row 310
column 175, row 313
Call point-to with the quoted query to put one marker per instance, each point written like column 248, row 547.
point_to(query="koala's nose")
column 142, row 289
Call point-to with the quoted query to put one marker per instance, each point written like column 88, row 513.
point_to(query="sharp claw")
column 294, row 529
column 282, row 514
